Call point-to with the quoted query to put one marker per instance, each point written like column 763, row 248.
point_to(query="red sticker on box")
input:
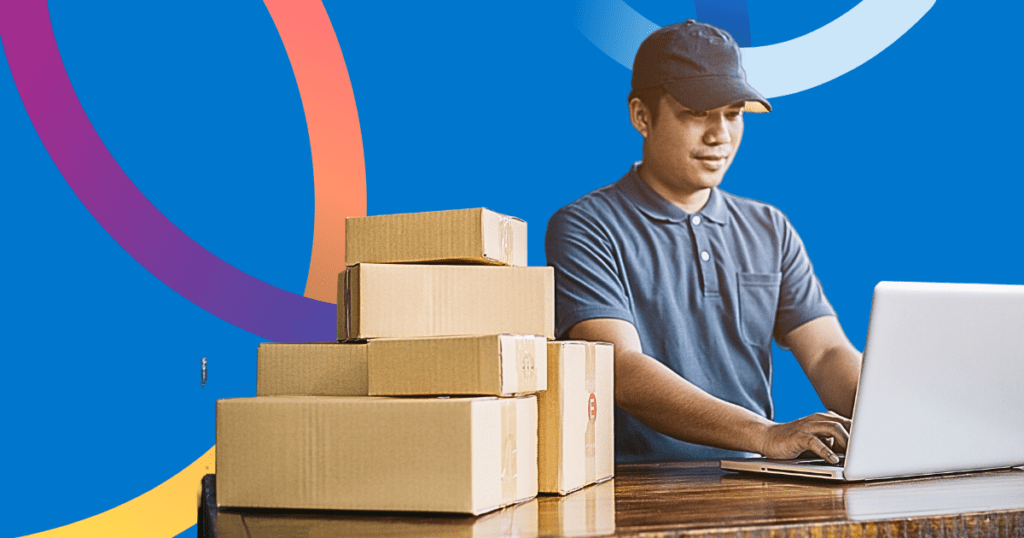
column 592, row 407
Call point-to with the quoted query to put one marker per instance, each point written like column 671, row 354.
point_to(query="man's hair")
column 651, row 98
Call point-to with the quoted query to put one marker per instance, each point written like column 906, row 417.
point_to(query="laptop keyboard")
column 842, row 461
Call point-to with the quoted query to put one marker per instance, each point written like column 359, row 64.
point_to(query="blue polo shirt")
column 707, row 292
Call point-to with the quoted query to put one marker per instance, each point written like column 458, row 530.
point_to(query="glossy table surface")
column 698, row 499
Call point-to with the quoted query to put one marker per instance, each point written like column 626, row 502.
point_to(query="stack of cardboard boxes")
column 430, row 403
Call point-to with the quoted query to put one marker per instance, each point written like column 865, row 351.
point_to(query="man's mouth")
column 712, row 162
column 711, row 156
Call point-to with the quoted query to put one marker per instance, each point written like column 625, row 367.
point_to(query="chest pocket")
column 758, row 303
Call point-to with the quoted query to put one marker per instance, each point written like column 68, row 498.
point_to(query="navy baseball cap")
column 698, row 65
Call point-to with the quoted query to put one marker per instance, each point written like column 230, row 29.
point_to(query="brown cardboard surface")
column 319, row 369
column 577, row 428
column 495, row 365
column 463, row 235
column 403, row 301
column 519, row 520
column 461, row 455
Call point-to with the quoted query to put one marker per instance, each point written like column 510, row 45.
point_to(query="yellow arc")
column 165, row 510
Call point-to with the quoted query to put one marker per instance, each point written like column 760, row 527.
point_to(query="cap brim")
column 709, row 93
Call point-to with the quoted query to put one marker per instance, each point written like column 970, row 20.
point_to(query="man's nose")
column 717, row 131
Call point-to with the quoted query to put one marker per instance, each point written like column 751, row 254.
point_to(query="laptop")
column 941, row 386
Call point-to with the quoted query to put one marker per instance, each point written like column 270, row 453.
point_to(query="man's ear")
column 640, row 116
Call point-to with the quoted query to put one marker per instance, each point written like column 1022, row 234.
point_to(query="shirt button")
column 695, row 220
column 705, row 256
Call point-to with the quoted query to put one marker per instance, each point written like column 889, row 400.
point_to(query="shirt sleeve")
column 801, row 298
column 587, row 276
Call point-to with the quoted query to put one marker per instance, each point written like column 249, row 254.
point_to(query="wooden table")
column 698, row 500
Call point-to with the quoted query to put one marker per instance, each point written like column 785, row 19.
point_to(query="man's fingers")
column 824, row 434
column 827, row 425
column 833, row 430
column 815, row 445
column 847, row 423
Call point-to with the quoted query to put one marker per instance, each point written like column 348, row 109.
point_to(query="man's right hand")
column 814, row 433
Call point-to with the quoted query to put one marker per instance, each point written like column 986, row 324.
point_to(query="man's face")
column 688, row 150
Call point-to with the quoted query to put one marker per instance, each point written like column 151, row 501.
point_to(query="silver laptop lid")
column 942, row 384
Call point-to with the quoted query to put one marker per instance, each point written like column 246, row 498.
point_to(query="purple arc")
column 124, row 212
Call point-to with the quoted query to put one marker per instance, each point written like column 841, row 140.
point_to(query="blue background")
column 903, row 169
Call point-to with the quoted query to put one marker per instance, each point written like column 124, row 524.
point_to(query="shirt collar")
column 658, row 208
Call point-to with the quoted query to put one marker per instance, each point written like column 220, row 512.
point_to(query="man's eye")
column 695, row 113
column 734, row 115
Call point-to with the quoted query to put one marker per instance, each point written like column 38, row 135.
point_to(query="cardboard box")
column 493, row 365
column 586, row 512
column 464, row 235
column 460, row 455
column 408, row 301
column 577, row 425
column 320, row 369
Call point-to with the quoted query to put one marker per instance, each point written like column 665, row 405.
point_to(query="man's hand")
column 821, row 433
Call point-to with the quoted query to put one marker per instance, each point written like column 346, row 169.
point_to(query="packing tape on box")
column 348, row 304
column 509, row 467
column 590, row 443
column 505, row 230
column 526, row 363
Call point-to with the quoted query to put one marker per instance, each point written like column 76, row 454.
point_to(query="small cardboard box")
column 577, row 425
column 463, row 235
column 493, row 365
column 459, row 455
column 319, row 369
column 409, row 301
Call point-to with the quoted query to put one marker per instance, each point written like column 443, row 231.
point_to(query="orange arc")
column 339, row 170
column 339, row 177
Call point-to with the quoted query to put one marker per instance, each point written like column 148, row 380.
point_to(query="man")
column 691, row 283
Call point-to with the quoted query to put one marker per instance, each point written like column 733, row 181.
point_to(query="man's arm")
column 664, row 401
column 829, row 360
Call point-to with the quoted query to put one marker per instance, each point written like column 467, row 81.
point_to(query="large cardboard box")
column 318, row 369
column 463, row 235
column 461, row 455
column 404, row 301
column 577, row 425
column 494, row 365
